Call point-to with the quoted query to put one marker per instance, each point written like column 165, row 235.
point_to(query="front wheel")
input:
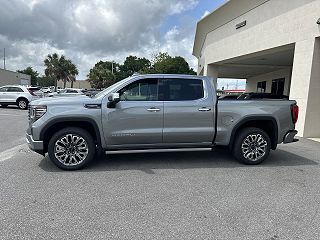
column 252, row 146
column 71, row 148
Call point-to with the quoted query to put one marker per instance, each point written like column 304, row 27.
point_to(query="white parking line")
column 9, row 153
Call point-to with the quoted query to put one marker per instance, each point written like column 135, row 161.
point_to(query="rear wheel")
column 71, row 148
column 4, row 105
column 22, row 103
column 252, row 146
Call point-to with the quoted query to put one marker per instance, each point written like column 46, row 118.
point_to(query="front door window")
column 141, row 90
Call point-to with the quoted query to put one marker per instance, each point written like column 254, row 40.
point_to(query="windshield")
column 107, row 90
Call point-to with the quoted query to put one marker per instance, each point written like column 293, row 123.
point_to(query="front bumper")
column 34, row 145
column 289, row 137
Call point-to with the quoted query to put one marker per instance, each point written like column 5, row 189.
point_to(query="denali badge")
column 123, row 134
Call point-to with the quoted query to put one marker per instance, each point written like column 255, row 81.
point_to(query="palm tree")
column 51, row 63
column 60, row 68
column 73, row 72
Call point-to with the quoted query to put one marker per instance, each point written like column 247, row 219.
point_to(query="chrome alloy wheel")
column 254, row 147
column 22, row 104
column 71, row 149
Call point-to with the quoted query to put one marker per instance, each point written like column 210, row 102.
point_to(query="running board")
column 158, row 150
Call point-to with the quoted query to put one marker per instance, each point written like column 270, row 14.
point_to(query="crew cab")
column 157, row 112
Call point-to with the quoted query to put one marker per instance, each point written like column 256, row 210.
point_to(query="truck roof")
column 171, row 76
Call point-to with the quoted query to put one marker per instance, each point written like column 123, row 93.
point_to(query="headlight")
column 36, row 112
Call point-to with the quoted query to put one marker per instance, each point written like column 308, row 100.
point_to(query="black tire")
column 258, row 148
column 22, row 103
column 4, row 105
column 68, row 165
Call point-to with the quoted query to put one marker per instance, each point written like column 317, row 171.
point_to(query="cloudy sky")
column 89, row 31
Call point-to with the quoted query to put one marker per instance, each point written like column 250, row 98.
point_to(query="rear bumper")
column 36, row 146
column 289, row 137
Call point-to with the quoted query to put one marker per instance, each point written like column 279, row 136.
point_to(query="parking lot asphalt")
column 13, row 122
column 176, row 195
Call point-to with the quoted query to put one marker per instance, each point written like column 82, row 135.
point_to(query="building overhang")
column 229, row 11
column 258, row 63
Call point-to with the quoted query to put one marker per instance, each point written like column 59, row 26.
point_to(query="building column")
column 312, row 123
column 211, row 71
column 305, row 86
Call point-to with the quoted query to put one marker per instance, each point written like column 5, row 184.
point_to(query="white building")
column 13, row 78
column 274, row 44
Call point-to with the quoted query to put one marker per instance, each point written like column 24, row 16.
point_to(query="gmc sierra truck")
column 157, row 112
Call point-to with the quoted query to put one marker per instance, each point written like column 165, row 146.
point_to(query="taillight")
column 30, row 91
column 294, row 113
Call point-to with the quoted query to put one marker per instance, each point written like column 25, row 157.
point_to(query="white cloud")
column 87, row 31
column 179, row 43
column 206, row 13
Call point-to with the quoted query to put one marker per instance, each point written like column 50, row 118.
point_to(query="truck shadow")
column 148, row 162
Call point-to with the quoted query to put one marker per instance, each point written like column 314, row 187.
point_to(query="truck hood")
column 76, row 100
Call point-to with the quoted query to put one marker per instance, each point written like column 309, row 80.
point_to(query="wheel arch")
column 22, row 98
column 55, row 125
column 266, row 123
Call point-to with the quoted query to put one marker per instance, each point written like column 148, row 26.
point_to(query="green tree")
column 164, row 63
column 134, row 64
column 45, row 81
column 101, row 77
column 60, row 68
column 113, row 67
column 103, row 74
column 29, row 71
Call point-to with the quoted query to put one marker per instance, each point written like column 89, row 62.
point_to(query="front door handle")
column 204, row 109
column 153, row 109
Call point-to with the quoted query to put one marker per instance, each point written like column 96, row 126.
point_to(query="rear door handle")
column 204, row 109
column 153, row 109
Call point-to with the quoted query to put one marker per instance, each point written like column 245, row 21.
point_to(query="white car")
column 18, row 95
column 67, row 92
column 46, row 90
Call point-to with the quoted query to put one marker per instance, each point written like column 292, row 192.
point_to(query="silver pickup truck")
column 157, row 112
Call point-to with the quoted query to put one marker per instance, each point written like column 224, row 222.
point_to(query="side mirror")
column 114, row 97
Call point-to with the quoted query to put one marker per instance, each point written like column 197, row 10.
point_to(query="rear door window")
column 14, row 89
column 181, row 89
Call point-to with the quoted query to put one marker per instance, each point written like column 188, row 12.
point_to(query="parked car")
column 91, row 92
column 156, row 112
column 18, row 95
column 67, row 92
column 228, row 97
column 253, row 95
column 46, row 90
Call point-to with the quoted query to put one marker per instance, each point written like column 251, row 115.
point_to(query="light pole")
column 112, row 66
column 4, row 58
